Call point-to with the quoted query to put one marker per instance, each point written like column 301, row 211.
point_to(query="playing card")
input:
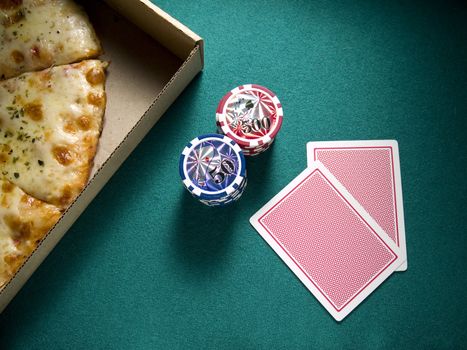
column 370, row 171
column 328, row 240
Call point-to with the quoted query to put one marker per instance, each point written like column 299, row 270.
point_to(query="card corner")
column 254, row 220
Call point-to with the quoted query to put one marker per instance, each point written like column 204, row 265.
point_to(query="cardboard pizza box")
column 153, row 57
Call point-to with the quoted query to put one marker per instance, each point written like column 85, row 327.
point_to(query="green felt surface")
column 146, row 266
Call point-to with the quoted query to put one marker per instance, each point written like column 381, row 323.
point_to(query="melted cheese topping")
column 50, row 123
column 36, row 34
column 24, row 221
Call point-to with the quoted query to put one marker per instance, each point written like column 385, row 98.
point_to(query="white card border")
column 311, row 146
column 338, row 315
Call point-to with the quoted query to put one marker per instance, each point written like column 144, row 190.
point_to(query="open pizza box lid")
column 153, row 57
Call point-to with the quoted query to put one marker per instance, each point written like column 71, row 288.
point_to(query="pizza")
column 52, row 104
column 50, row 122
column 36, row 34
column 24, row 220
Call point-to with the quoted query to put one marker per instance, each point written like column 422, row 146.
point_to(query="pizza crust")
column 24, row 221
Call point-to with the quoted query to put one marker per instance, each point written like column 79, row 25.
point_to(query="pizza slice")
column 36, row 34
column 24, row 221
column 50, row 123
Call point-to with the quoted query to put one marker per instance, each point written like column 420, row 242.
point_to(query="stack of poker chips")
column 212, row 166
column 251, row 115
column 213, row 169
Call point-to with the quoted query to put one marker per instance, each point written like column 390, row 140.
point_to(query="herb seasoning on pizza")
column 50, row 119
column 50, row 125
column 35, row 34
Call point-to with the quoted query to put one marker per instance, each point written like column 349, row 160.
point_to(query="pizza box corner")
column 153, row 57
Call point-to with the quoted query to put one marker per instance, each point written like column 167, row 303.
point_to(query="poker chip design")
column 251, row 115
column 213, row 169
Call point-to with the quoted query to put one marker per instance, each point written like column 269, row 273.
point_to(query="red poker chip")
column 253, row 153
column 257, row 149
column 251, row 115
column 265, row 146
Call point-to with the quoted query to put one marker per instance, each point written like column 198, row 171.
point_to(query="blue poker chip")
column 212, row 168
column 236, row 193
column 228, row 200
column 238, row 189
column 218, row 204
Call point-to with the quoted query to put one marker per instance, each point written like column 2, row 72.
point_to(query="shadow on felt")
column 260, row 172
column 202, row 234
